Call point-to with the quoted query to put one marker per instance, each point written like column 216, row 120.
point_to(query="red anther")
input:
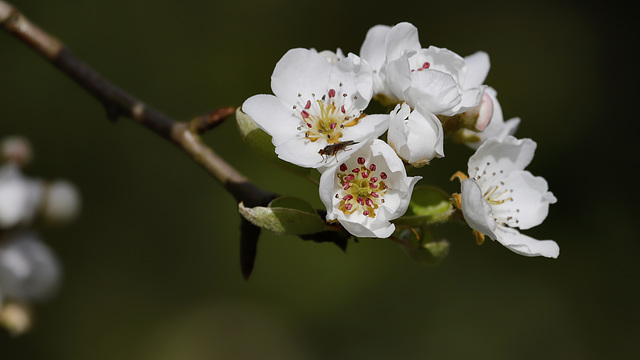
column 375, row 194
column 369, row 202
column 426, row 65
column 360, row 201
column 343, row 167
column 349, row 177
column 332, row 126
column 348, row 206
column 373, row 185
column 347, row 197
column 343, row 109
column 356, row 170
column 372, row 167
column 365, row 174
column 361, row 160
column 305, row 114
column 347, row 185
column 374, row 179
column 308, row 105
column 383, row 175
column 365, row 213
column 332, row 93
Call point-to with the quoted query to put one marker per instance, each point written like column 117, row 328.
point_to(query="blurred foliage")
column 152, row 263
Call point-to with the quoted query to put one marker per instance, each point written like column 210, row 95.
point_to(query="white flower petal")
column 402, row 37
column 356, row 77
column 398, row 76
column 442, row 60
column 369, row 127
column 273, row 116
column 531, row 199
column 506, row 155
column 476, row 211
column 436, row 91
column 301, row 152
column 300, row 71
column 525, row 245
column 477, row 69
column 417, row 136
column 373, row 48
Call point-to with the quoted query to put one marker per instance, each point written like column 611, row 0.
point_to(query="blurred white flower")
column 367, row 190
column 29, row 271
column 61, row 202
column 19, row 197
column 316, row 103
column 500, row 196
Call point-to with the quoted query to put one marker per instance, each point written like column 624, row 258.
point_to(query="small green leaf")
column 429, row 201
column 260, row 142
column 298, row 218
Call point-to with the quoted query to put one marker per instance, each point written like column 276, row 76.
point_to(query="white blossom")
column 367, row 190
column 437, row 78
column 316, row 103
column 500, row 197
column 19, row 197
column 416, row 136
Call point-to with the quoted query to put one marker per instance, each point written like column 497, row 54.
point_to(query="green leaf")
column 428, row 205
column 429, row 201
column 260, row 143
column 284, row 216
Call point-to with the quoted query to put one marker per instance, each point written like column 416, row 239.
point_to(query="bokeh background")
column 151, row 266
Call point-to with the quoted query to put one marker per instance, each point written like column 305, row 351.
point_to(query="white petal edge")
column 525, row 245
column 476, row 211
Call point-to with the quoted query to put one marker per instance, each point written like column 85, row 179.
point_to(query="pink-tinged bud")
column 485, row 113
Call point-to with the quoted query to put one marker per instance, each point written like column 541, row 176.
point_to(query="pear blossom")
column 29, row 270
column 316, row 103
column 19, row 196
column 496, row 128
column 416, row 136
column 367, row 190
column 437, row 78
column 500, row 197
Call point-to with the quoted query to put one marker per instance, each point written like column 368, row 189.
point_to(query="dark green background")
column 152, row 263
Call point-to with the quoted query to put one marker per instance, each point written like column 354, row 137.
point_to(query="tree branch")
column 119, row 103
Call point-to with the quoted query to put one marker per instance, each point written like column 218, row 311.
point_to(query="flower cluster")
column 29, row 270
column 317, row 118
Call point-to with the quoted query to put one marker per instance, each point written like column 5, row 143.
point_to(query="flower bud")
column 61, row 202
column 15, row 149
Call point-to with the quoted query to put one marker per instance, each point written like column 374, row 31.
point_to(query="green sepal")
column 260, row 143
column 285, row 216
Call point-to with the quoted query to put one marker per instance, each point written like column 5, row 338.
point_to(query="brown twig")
column 119, row 103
